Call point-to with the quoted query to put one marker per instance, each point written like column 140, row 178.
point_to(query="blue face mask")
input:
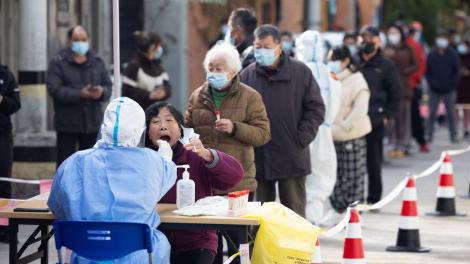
column 265, row 57
column 217, row 80
column 228, row 38
column 159, row 53
column 352, row 49
column 287, row 46
column 80, row 47
column 462, row 49
column 335, row 66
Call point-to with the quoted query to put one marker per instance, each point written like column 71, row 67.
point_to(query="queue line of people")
column 255, row 133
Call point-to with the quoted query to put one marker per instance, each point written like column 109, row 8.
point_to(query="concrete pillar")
column 314, row 15
column 32, row 142
column 170, row 20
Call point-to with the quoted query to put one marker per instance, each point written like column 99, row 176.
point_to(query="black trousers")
column 374, row 161
column 291, row 193
column 417, row 122
column 67, row 144
column 196, row 256
column 6, row 160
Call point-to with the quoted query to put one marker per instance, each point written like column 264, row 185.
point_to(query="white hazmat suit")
column 320, row 183
column 116, row 180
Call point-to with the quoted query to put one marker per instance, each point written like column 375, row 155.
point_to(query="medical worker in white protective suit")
column 320, row 183
column 117, row 180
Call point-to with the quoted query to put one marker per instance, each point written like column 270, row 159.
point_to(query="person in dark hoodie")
column 145, row 80
column 9, row 104
column 385, row 93
column 241, row 25
column 442, row 74
column 78, row 82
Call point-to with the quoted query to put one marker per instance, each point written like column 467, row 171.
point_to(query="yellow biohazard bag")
column 283, row 236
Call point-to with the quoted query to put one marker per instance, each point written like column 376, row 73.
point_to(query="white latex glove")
column 164, row 149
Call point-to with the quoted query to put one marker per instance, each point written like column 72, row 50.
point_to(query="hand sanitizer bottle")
column 185, row 189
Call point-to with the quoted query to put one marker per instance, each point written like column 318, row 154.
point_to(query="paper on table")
column 213, row 206
column 188, row 134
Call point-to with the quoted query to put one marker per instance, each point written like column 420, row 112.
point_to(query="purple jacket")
column 222, row 174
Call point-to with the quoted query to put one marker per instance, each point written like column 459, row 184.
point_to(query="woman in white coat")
column 319, row 184
column 349, row 128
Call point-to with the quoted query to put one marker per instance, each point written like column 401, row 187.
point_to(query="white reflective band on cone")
column 446, row 168
column 354, row 230
column 445, row 192
column 354, row 261
column 316, row 257
column 409, row 194
column 409, row 222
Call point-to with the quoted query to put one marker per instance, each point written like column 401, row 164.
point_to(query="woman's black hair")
column 146, row 39
column 153, row 110
column 341, row 53
column 402, row 32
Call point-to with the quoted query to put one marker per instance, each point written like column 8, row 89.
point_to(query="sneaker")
column 331, row 219
column 400, row 154
column 424, row 148
column 392, row 154
column 373, row 211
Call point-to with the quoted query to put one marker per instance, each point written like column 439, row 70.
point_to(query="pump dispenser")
column 185, row 189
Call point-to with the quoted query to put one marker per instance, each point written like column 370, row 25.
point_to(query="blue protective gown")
column 113, row 183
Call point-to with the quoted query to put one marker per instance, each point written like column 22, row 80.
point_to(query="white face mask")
column 442, row 43
column 394, row 39
column 417, row 36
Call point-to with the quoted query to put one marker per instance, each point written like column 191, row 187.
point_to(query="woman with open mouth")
column 209, row 169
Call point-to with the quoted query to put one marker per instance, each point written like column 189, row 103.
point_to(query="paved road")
column 448, row 237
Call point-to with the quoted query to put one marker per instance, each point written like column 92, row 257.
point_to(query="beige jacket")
column 352, row 120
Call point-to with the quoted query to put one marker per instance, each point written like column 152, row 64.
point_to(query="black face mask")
column 367, row 47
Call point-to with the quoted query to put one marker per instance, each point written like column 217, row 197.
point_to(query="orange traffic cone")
column 445, row 191
column 316, row 257
column 353, row 252
column 408, row 228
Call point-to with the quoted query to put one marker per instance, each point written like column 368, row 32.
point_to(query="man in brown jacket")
column 295, row 109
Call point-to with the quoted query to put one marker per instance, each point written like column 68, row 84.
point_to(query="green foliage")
column 433, row 14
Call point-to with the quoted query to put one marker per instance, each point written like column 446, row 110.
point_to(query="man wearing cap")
column 385, row 93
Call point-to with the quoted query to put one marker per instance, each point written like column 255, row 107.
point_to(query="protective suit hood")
column 123, row 123
column 309, row 47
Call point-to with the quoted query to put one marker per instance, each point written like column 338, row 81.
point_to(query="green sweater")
column 218, row 97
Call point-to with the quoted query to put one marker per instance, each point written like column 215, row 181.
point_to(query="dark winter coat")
column 443, row 71
column 65, row 79
column 385, row 93
column 295, row 109
column 11, row 99
column 141, row 77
